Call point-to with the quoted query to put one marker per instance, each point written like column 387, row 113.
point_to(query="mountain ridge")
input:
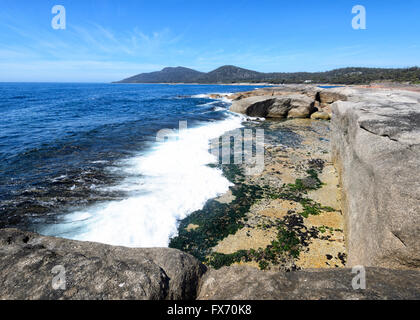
column 232, row 74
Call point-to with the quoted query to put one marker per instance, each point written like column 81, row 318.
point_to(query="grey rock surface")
column 183, row 270
column 242, row 105
column 278, row 106
column 326, row 96
column 243, row 283
column 92, row 270
column 376, row 147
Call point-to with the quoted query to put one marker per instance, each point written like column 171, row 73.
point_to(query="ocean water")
column 330, row 87
column 82, row 161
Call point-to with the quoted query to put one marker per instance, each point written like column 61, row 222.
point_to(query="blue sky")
column 107, row 40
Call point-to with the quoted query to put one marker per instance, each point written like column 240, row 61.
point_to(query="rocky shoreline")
column 332, row 195
column 287, row 217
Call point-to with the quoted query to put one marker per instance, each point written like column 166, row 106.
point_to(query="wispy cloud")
column 88, row 50
column 71, row 70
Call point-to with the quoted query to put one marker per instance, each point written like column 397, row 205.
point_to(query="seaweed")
column 216, row 221
column 287, row 244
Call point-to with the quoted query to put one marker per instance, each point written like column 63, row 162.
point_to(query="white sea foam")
column 224, row 96
column 59, row 178
column 166, row 184
column 200, row 96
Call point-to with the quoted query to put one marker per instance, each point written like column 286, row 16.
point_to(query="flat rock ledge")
column 31, row 264
column 247, row 283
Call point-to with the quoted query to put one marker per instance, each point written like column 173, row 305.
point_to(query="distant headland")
column 232, row 74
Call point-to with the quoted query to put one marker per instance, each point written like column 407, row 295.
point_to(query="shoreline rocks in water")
column 286, row 106
column 299, row 101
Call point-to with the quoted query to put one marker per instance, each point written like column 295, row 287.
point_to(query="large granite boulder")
column 247, row 283
column 38, row 267
column 376, row 148
column 277, row 106
column 242, row 105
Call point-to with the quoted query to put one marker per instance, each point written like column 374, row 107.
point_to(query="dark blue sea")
column 83, row 161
